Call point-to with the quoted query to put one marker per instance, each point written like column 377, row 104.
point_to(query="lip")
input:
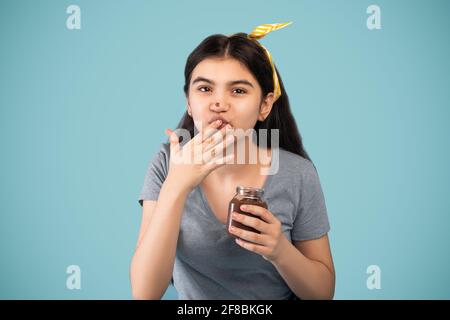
column 224, row 121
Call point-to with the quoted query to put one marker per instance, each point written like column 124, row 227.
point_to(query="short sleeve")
column 311, row 221
column 155, row 176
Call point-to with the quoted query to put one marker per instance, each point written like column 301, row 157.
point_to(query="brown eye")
column 239, row 91
column 200, row 89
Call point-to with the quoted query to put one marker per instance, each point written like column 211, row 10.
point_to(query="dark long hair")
column 253, row 56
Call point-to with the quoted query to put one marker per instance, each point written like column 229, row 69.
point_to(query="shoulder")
column 164, row 150
column 294, row 166
column 164, row 153
column 159, row 162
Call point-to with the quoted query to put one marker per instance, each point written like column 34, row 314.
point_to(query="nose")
column 219, row 107
column 218, row 104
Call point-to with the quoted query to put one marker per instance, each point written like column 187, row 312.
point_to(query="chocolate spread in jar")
column 244, row 195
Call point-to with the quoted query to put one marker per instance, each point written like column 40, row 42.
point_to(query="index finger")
column 207, row 132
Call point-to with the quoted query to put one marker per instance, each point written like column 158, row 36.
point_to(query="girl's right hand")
column 190, row 164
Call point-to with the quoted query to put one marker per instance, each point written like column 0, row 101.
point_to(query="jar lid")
column 250, row 191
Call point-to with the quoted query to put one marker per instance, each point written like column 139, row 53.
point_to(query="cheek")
column 197, row 103
column 199, row 113
column 245, row 118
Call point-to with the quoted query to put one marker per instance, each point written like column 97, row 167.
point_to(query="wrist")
column 283, row 251
column 173, row 184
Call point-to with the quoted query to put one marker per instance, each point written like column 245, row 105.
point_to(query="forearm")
column 308, row 279
column 153, row 260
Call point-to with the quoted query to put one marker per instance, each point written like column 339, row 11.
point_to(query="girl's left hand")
column 269, row 241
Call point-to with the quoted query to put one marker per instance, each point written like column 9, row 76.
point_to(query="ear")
column 266, row 106
column 188, row 107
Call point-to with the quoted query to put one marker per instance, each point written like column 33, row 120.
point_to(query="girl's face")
column 224, row 88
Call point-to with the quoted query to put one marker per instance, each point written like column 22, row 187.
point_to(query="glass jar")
column 245, row 195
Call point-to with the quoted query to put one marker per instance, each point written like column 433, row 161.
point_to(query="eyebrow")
column 230, row 83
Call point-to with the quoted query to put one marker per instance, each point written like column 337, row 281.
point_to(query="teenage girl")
column 231, row 83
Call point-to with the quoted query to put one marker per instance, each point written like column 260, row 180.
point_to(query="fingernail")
column 243, row 207
column 218, row 121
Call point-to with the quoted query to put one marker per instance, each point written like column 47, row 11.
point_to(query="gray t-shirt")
column 209, row 264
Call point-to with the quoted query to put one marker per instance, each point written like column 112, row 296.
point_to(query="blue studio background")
column 83, row 111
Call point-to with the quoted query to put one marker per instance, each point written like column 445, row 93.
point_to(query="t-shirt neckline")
column 266, row 185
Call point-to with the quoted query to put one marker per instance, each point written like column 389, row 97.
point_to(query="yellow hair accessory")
column 258, row 33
